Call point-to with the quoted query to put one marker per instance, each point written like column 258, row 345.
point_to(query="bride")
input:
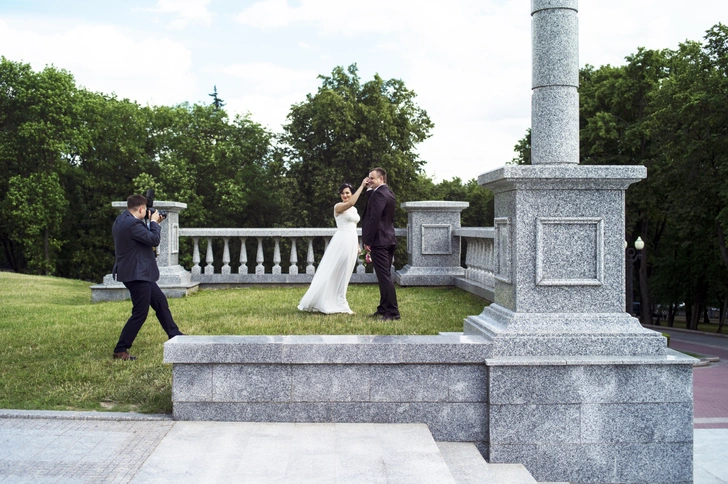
column 327, row 293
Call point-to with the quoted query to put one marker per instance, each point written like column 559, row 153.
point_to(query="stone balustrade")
column 479, row 266
column 253, row 271
column 433, row 239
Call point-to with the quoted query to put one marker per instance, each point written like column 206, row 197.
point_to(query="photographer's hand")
column 155, row 217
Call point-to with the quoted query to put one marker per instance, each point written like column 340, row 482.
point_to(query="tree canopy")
column 66, row 153
column 346, row 128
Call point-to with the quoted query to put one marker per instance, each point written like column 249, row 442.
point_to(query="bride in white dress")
column 327, row 293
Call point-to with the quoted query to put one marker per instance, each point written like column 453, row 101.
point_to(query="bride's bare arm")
column 341, row 206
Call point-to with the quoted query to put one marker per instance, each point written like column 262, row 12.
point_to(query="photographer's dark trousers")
column 382, row 258
column 143, row 295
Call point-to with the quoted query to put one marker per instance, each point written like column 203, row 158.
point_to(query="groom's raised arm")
column 375, row 207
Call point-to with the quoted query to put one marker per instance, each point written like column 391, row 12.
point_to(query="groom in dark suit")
column 136, row 266
column 377, row 230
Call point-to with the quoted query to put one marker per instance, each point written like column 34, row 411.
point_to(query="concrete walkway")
column 41, row 448
column 49, row 447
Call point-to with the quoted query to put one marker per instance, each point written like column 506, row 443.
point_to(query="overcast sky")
column 469, row 61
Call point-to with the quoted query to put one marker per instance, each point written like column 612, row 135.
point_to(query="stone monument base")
column 592, row 419
column 539, row 334
column 174, row 281
column 427, row 276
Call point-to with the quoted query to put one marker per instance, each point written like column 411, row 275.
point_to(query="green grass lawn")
column 57, row 346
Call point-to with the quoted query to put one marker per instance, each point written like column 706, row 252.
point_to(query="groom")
column 377, row 229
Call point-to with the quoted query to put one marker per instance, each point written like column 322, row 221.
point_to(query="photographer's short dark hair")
column 135, row 201
column 346, row 185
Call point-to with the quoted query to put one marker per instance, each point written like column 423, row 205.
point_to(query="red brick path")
column 710, row 383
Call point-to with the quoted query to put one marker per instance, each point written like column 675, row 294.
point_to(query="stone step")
column 468, row 466
column 296, row 453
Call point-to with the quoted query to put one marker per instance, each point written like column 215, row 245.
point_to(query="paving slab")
column 710, row 456
column 469, row 467
column 59, row 451
column 294, row 453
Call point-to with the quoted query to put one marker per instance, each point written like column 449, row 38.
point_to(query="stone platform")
column 579, row 418
column 270, row 453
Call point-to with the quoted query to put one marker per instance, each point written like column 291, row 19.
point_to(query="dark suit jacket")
column 377, row 227
column 135, row 260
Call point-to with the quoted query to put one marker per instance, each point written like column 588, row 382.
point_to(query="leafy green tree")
column 37, row 136
column 342, row 131
column 35, row 205
column 691, row 121
column 480, row 211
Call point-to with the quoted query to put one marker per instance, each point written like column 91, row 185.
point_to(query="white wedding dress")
column 327, row 293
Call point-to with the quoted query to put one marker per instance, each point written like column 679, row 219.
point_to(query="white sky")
column 468, row 61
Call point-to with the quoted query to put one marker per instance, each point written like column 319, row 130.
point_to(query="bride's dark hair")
column 346, row 185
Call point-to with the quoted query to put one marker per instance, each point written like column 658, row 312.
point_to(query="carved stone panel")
column 502, row 248
column 569, row 251
column 436, row 239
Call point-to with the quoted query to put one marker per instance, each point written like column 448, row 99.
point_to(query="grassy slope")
column 57, row 346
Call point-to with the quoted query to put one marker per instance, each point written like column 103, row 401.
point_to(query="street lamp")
column 632, row 256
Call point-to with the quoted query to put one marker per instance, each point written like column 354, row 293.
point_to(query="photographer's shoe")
column 123, row 355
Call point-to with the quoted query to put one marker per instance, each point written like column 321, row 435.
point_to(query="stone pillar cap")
column 538, row 5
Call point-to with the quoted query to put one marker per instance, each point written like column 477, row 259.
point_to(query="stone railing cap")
column 435, row 205
column 157, row 204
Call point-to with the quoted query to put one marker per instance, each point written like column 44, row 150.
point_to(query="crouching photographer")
column 136, row 267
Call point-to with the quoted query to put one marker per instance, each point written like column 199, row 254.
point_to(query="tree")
column 37, row 136
column 691, row 121
column 216, row 101
column 35, row 205
column 338, row 134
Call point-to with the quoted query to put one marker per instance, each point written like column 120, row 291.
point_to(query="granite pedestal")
column 174, row 280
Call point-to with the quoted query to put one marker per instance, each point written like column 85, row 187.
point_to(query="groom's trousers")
column 382, row 257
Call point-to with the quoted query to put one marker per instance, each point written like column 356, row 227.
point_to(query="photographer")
column 136, row 267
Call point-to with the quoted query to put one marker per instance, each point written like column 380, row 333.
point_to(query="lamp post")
column 632, row 256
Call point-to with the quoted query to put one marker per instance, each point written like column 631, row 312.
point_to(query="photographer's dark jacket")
column 135, row 260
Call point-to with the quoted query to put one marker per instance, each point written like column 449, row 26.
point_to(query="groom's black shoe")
column 376, row 315
column 389, row 317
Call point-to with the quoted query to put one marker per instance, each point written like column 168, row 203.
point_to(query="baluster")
column 472, row 258
column 277, row 256
column 489, row 255
column 326, row 245
column 209, row 268
column 293, row 268
column 468, row 256
column 482, row 261
column 196, row 256
column 259, row 269
column 360, row 268
column 243, row 268
column 310, row 269
column 226, row 256
column 477, row 260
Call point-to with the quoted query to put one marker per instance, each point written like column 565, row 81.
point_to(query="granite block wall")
column 590, row 422
column 436, row 380
column 450, row 399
